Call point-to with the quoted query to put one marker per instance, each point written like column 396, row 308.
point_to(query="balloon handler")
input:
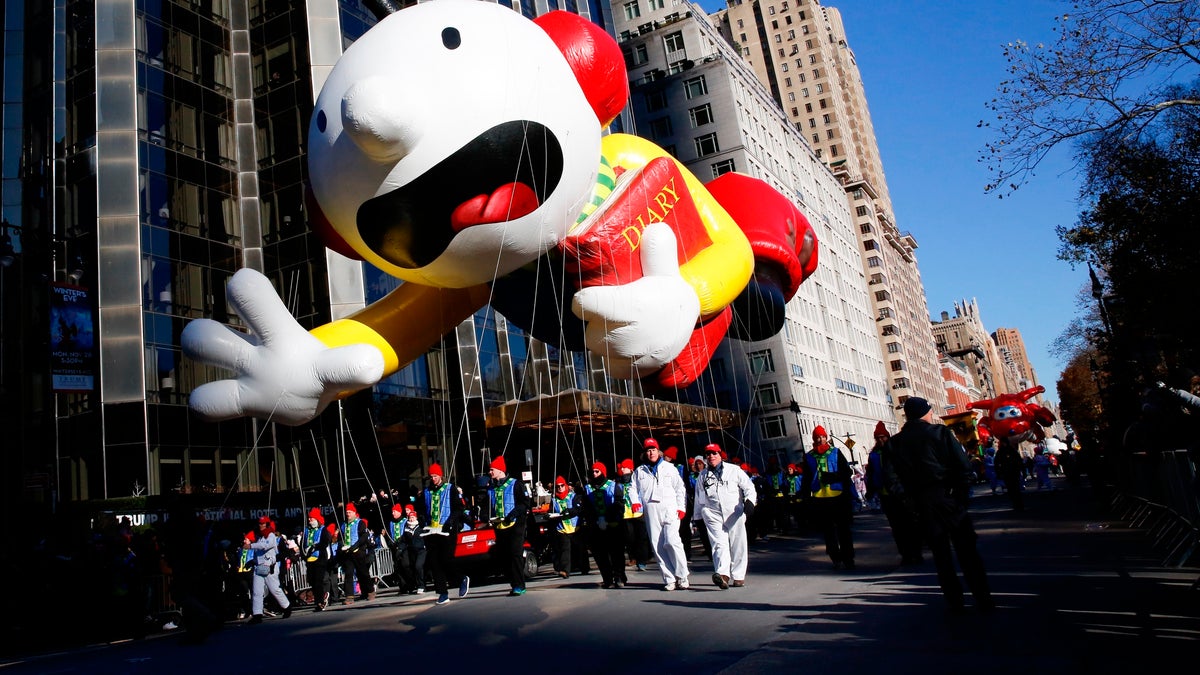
column 476, row 170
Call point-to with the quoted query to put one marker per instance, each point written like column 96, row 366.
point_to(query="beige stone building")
column 1009, row 340
column 799, row 51
column 963, row 337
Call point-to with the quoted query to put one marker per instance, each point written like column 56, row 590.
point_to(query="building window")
column 766, row 395
column 795, row 111
column 862, row 211
column 797, row 370
column 816, row 138
column 707, row 145
column 657, row 4
column 701, row 115
column 787, row 81
column 791, row 34
column 883, row 296
column 825, row 118
column 885, row 312
column 801, row 74
column 771, row 10
column 638, row 56
column 695, row 87
column 816, row 73
column 660, row 128
column 878, row 278
column 808, row 44
column 774, row 25
column 823, row 105
column 812, row 58
column 857, row 193
column 898, row 365
column 804, row 92
column 632, row 11
column 778, row 38
column 791, row 96
column 656, row 100
column 820, row 88
column 874, row 261
column 742, row 24
column 772, row 427
column 891, row 330
column 833, row 151
column 866, row 228
column 673, row 42
column 784, row 67
column 761, row 362
column 723, row 167
column 893, row 347
column 743, row 35
column 804, row 28
column 871, row 245
column 829, row 134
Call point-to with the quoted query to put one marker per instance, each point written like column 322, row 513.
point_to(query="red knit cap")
column 397, row 508
column 315, row 513
column 560, row 486
column 250, row 536
column 820, row 431
column 499, row 465
column 599, row 466
column 881, row 430
column 351, row 508
column 435, row 469
column 625, row 464
column 672, row 452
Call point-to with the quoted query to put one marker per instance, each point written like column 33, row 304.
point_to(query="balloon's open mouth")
column 503, row 174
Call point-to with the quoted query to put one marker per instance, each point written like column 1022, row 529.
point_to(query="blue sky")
column 929, row 67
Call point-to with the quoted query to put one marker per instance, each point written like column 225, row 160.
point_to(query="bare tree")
column 1115, row 67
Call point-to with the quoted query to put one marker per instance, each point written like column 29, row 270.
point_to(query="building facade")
column 960, row 386
column 693, row 95
column 963, row 337
column 799, row 50
column 1009, row 340
column 151, row 149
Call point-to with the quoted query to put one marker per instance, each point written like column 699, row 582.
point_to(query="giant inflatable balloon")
column 459, row 147
column 1012, row 416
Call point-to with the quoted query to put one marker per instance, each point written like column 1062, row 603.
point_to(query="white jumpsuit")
column 664, row 496
column 720, row 505
column 266, row 552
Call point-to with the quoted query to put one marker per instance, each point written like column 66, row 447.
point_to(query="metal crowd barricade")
column 382, row 566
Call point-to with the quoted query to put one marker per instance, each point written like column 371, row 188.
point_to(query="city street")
column 1077, row 593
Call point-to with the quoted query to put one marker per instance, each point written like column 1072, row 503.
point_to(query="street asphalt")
column 1078, row 592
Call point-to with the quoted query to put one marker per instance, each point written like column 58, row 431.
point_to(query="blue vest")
column 565, row 525
column 831, row 465
column 502, row 503
column 443, row 511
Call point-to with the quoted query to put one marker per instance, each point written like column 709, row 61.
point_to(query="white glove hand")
column 282, row 372
column 641, row 326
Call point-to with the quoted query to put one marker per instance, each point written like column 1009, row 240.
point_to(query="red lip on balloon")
column 507, row 202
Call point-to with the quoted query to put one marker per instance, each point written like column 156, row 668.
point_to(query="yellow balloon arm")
column 406, row 323
column 721, row 271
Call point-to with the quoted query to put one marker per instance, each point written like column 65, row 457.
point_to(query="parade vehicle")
column 476, row 554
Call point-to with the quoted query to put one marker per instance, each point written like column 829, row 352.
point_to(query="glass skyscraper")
column 150, row 149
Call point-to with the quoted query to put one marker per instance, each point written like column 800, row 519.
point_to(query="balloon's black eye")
column 321, row 121
column 451, row 38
